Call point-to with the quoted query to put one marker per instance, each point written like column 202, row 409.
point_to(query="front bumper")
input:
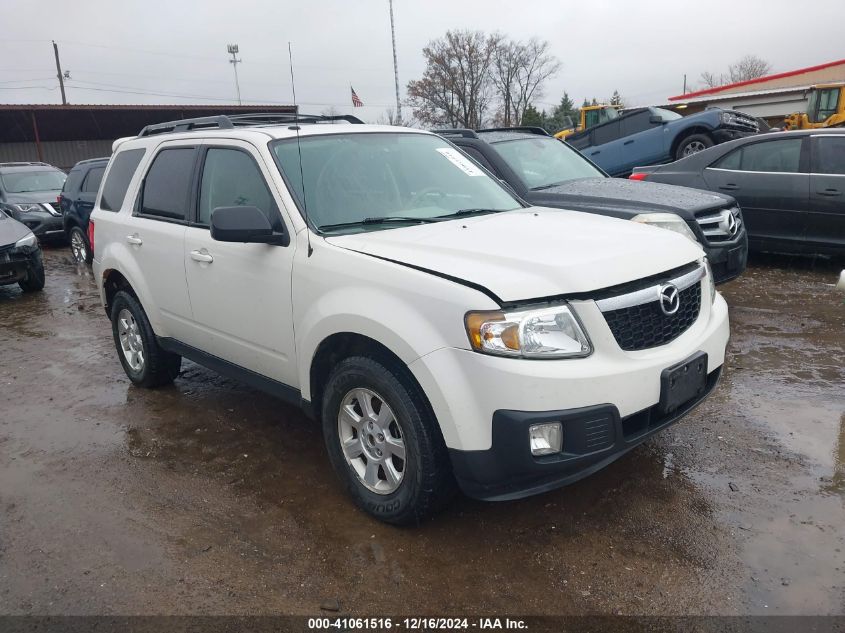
column 723, row 135
column 593, row 438
column 46, row 226
column 16, row 263
column 728, row 259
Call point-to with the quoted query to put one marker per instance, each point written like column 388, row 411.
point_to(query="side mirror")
column 244, row 224
column 656, row 120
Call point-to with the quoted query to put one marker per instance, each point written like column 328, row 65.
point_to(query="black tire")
column 159, row 367
column 693, row 140
column 427, row 482
column 35, row 277
column 80, row 234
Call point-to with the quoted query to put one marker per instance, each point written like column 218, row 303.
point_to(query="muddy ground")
column 209, row 497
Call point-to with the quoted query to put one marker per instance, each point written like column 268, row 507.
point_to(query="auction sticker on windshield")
column 460, row 161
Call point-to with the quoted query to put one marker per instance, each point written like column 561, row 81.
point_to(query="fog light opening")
column 545, row 439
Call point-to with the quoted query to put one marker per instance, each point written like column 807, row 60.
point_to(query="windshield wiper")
column 396, row 219
column 554, row 184
column 474, row 211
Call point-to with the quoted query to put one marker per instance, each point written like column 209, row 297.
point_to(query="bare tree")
column 749, row 67
column 537, row 67
column 389, row 117
column 455, row 88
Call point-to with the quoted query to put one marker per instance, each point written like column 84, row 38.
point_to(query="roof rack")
column 227, row 122
column 462, row 132
column 530, row 129
column 25, row 164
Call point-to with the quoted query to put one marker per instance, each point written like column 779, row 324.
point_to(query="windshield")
column 27, row 181
column 350, row 178
column 543, row 161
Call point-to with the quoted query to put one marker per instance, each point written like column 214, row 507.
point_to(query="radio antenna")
column 299, row 150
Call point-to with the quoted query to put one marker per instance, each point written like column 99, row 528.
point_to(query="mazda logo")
column 670, row 299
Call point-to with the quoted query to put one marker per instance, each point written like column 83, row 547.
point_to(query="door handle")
column 598, row 151
column 134, row 239
column 202, row 256
column 628, row 142
column 830, row 192
column 729, row 187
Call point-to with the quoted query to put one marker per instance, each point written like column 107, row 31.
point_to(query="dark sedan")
column 790, row 185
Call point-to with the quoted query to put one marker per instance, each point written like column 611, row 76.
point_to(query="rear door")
column 154, row 237
column 826, row 217
column 606, row 149
column 240, row 293
column 770, row 180
column 642, row 141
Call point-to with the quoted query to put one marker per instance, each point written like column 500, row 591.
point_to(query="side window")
column 230, row 178
column 73, row 180
column 733, row 160
column 782, row 156
column 828, row 100
column 478, row 157
column 635, row 123
column 606, row 133
column 829, row 155
column 168, row 183
column 93, row 180
column 122, row 169
column 591, row 118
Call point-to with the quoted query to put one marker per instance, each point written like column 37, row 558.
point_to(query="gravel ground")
column 208, row 497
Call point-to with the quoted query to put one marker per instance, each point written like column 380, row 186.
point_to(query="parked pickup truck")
column 651, row 136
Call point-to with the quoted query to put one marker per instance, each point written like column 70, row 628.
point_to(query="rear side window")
column 829, row 155
column 74, row 178
column 606, row 133
column 780, row 156
column 168, row 182
column 230, row 178
column 122, row 169
column 93, row 180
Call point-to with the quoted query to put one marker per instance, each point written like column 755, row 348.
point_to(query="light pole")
column 395, row 67
column 233, row 51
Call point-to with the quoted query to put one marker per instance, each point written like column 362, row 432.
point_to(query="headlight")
column 729, row 118
column 28, row 240
column 26, row 207
column 710, row 282
column 668, row 221
column 549, row 332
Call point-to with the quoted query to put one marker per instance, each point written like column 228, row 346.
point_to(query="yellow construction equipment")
column 825, row 108
column 590, row 117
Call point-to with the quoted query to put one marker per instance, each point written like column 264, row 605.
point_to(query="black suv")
column 547, row 172
column 77, row 202
column 29, row 194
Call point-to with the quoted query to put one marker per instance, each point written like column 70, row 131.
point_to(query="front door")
column 240, row 293
column 826, row 217
column 769, row 179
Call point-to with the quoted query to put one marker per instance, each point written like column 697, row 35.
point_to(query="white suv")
column 440, row 329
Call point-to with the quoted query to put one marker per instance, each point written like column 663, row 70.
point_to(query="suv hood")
column 40, row 197
column 627, row 198
column 11, row 230
column 531, row 253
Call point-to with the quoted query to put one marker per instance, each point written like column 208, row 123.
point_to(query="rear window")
column 120, row 174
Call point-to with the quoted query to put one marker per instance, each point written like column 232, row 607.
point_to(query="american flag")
column 356, row 101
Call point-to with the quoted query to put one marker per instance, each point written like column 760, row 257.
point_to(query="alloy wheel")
column 371, row 440
column 131, row 343
column 78, row 248
column 692, row 148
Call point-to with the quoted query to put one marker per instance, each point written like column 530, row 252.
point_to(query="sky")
column 155, row 51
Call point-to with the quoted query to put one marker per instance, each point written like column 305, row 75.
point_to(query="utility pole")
column 395, row 66
column 233, row 51
column 685, row 84
column 59, row 72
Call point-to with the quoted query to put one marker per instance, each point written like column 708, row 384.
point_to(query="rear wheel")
column 145, row 362
column 79, row 246
column 384, row 442
column 692, row 145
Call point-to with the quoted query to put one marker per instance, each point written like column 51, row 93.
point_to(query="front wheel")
column 384, row 442
column 692, row 145
column 35, row 277
column 145, row 362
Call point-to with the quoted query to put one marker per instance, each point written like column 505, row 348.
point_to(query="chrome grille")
column 722, row 226
column 637, row 320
